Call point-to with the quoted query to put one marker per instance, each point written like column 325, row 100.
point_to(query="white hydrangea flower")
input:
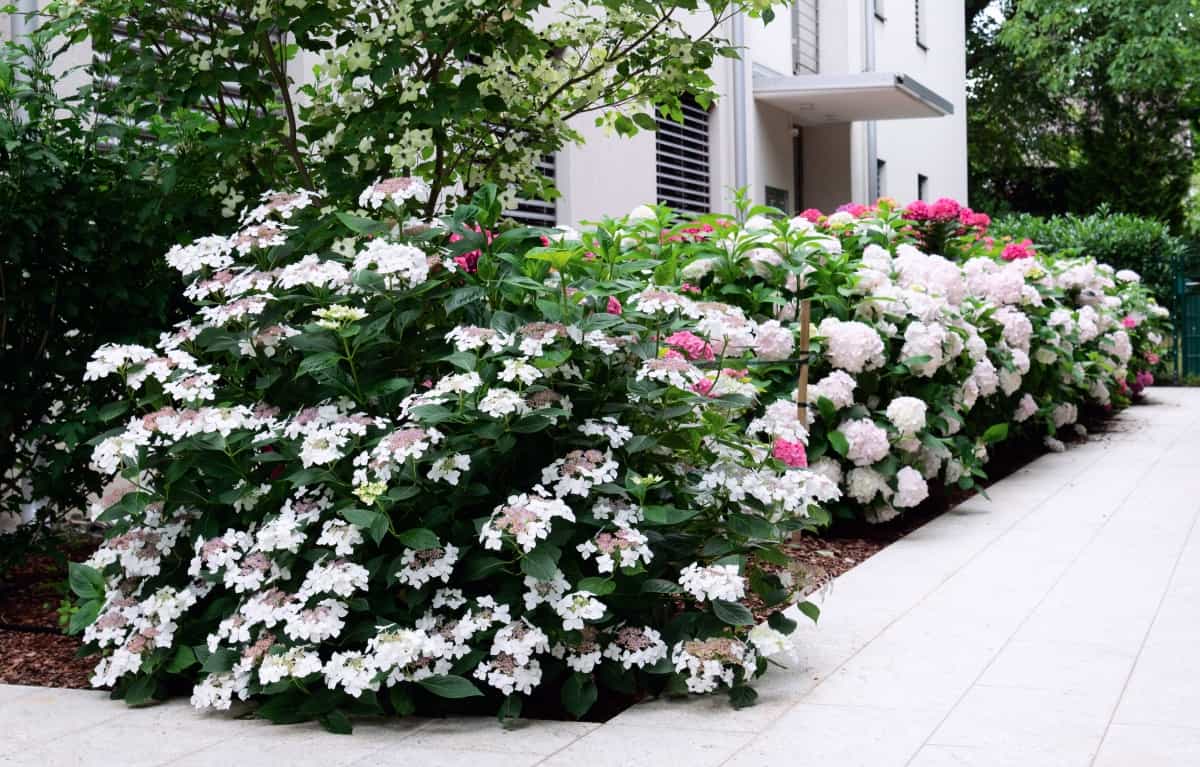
column 707, row 583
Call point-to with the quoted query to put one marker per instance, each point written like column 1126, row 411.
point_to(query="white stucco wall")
column 934, row 147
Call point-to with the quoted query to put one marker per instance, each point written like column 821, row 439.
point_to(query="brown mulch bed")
column 32, row 651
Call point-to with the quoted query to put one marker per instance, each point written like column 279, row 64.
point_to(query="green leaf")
column 750, row 526
column 141, row 691
column 733, row 613
column 996, row 433
column 639, row 443
column 463, row 296
column 839, row 442
column 337, row 722
column 782, row 623
column 84, row 616
column 450, row 686
column 827, row 408
column 420, row 538
column 645, row 121
column 362, row 225
column 184, row 658
column 462, row 360
column 542, row 562
column 579, row 694
column 478, row 567
column 810, row 610
column 598, row 586
column 668, row 515
column 402, row 701
column 317, row 362
column 86, row 582
column 659, row 586
column 112, row 410
column 742, row 696
column 374, row 522
column 221, row 660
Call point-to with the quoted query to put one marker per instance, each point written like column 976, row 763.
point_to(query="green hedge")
column 1122, row 240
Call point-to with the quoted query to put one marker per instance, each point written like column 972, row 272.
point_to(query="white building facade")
column 834, row 101
column 842, row 101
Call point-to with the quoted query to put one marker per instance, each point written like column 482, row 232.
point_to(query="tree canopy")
column 1076, row 103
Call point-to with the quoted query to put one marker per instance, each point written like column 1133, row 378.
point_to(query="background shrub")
column 85, row 221
column 1122, row 240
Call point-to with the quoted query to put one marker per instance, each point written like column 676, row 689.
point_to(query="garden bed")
column 34, row 652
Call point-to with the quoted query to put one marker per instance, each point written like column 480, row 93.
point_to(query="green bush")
column 1122, row 240
column 85, row 221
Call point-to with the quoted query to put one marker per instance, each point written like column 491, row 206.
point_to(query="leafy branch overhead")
column 460, row 93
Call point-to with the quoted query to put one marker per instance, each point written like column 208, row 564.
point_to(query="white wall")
column 935, row 147
column 607, row 176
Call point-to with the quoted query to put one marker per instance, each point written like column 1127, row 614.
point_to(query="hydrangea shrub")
column 932, row 341
column 387, row 466
column 390, row 465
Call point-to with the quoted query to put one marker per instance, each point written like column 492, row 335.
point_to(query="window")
column 879, row 14
column 681, row 160
column 806, row 38
column 919, row 10
column 922, row 187
column 880, row 176
column 777, row 198
column 537, row 212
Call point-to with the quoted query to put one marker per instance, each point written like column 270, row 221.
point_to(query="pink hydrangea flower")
column 1130, row 321
column 917, row 210
column 614, row 306
column 688, row 287
column 791, row 453
column 812, row 214
column 973, row 220
column 1018, row 250
column 695, row 347
column 945, row 209
column 1152, row 358
column 856, row 209
column 469, row 262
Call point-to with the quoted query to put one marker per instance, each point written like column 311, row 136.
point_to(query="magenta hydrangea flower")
column 695, row 347
column 917, row 210
column 791, row 453
column 1017, row 250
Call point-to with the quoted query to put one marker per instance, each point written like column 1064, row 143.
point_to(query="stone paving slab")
column 1054, row 624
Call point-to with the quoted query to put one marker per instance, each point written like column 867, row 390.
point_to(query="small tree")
column 459, row 92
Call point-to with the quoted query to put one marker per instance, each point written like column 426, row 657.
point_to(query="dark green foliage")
column 1124, row 241
column 1070, row 108
column 84, row 222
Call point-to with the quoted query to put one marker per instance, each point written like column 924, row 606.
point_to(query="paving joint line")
column 984, row 547
column 1062, row 574
column 1149, row 629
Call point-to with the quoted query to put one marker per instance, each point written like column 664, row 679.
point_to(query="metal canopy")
column 846, row 98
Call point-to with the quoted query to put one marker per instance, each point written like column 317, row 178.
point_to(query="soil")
column 34, row 652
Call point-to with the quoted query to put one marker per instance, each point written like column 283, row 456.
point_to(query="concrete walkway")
column 1057, row 624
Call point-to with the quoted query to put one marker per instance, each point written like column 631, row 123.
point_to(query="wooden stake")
column 802, row 388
